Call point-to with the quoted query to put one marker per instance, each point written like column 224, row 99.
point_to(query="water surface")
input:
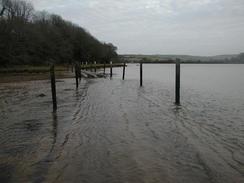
column 111, row 130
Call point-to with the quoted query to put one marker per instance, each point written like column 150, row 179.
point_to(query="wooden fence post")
column 53, row 86
column 76, row 76
column 79, row 70
column 141, row 73
column 104, row 68
column 90, row 65
column 177, row 82
column 111, row 69
column 123, row 77
column 95, row 68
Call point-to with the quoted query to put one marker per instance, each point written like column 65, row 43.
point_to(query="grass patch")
column 30, row 69
column 45, row 69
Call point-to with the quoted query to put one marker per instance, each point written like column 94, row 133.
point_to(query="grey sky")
column 196, row 27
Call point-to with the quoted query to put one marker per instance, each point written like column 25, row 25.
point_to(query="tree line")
column 238, row 59
column 31, row 37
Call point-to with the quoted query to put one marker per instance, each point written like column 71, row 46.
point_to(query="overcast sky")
column 196, row 27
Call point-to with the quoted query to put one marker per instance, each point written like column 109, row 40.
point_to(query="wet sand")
column 114, row 131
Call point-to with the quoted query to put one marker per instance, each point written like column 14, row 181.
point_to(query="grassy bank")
column 30, row 69
column 45, row 69
column 29, row 73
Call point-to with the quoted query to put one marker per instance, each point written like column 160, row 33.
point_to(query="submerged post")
column 95, row 67
column 111, row 69
column 76, row 76
column 79, row 70
column 53, row 85
column 177, row 82
column 104, row 68
column 140, row 73
column 72, row 67
column 91, row 66
column 123, row 77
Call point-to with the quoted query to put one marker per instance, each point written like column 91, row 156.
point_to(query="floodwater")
column 113, row 131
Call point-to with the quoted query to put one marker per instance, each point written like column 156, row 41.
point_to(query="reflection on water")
column 55, row 124
column 115, row 131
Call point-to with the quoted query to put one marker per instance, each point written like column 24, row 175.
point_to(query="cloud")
column 204, row 27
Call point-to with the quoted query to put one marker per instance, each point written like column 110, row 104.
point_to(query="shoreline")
column 30, row 73
column 22, row 77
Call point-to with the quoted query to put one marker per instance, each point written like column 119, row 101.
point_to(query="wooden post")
column 177, row 82
column 140, row 73
column 86, row 66
column 90, row 65
column 79, row 70
column 111, row 69
column 123, row 77
column 76, row 76
column 104, row 68
column 95, row 68
column 53, row 85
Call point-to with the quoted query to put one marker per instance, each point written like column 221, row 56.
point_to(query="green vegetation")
column 30, row 69
column 28, row 37
column 45, row 69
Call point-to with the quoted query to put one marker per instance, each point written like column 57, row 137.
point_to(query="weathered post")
column 79, row 70
column 177, row 82
column 111, row 69
column 95, row 66
column 53, row 85
column 86, row 65
column 123, row 77
column 141, row 73
column 90, row 66
column 104, row 68
column 76, row 76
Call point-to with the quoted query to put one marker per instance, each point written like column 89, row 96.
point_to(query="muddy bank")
column 42, row 73
column 22, row 77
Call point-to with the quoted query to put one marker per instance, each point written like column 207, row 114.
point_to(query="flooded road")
column 114, row 131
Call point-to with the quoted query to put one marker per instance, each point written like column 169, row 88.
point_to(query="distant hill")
column 224, row 57
column 184, row 58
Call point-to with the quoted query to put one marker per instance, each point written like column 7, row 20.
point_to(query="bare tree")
column 23, row 10
column 2, row 7
column 41, row 17
column 16, row 9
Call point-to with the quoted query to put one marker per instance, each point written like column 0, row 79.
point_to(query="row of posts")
column 78, row 78
column 104, row 67
column 177, row 79
column 95, row 68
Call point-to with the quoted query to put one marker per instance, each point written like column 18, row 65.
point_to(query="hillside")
column 29, row 37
